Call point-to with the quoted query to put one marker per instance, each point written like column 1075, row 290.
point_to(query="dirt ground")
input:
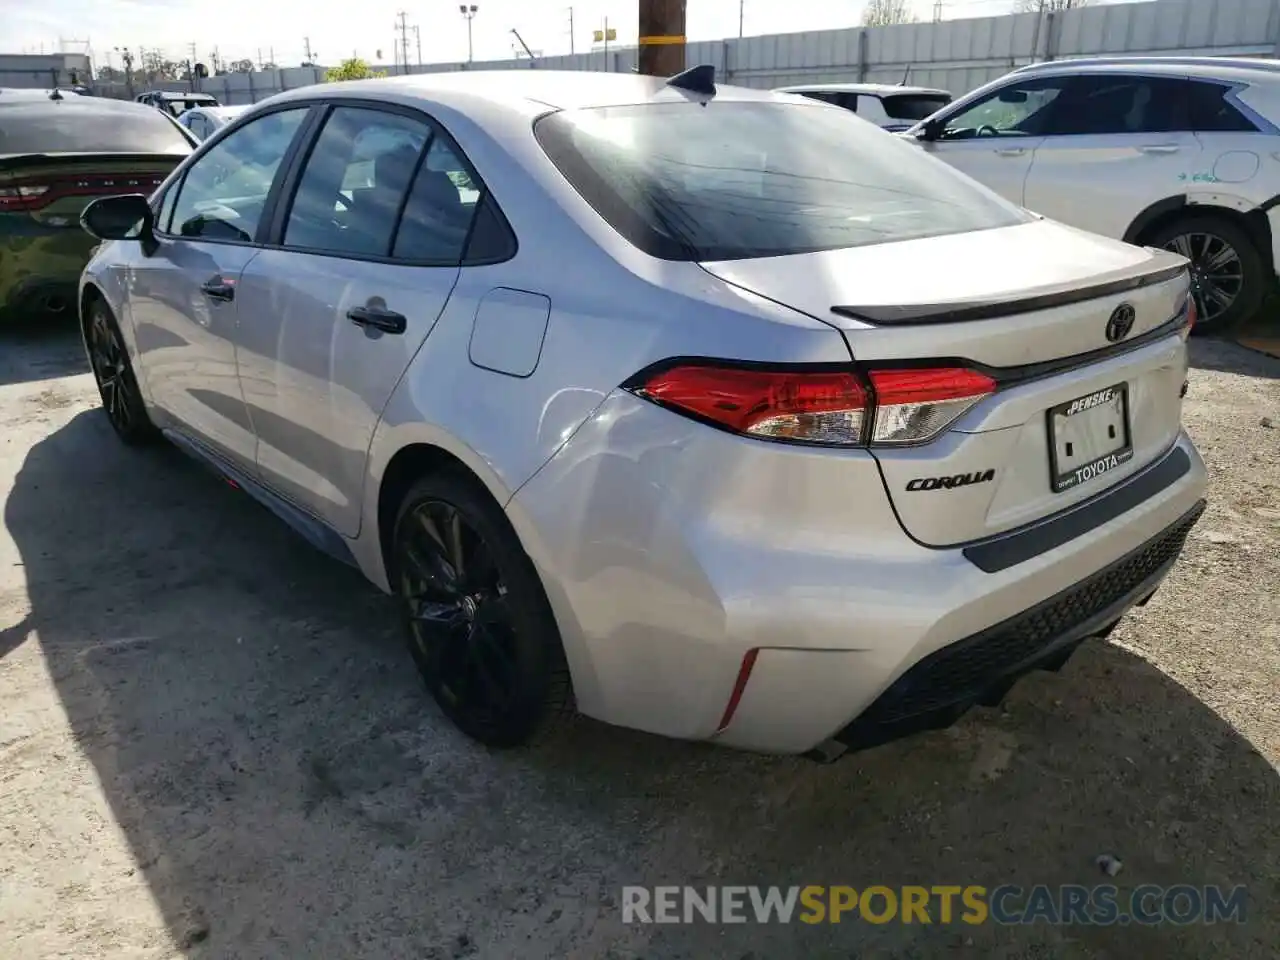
column 213, row 745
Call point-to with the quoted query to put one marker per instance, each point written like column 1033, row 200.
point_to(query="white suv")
column 1175, row 152
column 891, row 107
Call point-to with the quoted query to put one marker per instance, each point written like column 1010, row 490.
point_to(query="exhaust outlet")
column 55, row 305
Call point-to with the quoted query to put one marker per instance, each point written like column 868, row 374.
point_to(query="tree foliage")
column 883, row 13
column 352, row 69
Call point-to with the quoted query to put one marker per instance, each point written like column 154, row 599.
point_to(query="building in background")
column 44, row 70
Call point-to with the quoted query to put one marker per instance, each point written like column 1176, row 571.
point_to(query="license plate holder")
column 1089, row 436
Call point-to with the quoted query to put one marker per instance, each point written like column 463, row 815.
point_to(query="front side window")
column 355, row 181
column 223, row 194
column 1016, row 110
column 735, row 179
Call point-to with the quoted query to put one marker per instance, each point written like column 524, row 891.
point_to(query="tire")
column 1201, row 238
column 113, row 372
column 487, row 646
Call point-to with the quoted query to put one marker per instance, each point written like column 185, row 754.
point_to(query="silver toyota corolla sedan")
column 708, row 411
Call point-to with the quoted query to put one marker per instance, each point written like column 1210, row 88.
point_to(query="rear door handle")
column 215, row 288
column 1160, row 148
column 379, row 318
column 1011, row 151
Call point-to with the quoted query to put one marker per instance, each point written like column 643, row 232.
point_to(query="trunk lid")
column 1074, row 412
column 54, row 188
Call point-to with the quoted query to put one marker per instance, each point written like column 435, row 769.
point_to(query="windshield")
column 77, row 125
column 913, row 106
column 734, row 179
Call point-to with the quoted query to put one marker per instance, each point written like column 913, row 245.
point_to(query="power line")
column 403, row 29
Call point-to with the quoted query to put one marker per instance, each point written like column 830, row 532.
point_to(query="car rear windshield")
column 913, row 106
column 80, row 126
column 739, row 179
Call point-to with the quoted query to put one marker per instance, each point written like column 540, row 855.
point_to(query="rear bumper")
column 670, row 551
column 980, row 668
column 41, row 270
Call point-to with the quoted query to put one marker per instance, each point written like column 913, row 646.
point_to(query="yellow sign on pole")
column 600, row 36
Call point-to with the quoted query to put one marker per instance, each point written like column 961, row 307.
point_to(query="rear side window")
column 1120, row 104
column 80, row 125
column 355, row 181
column 740, row 179
column 912, row 106
column 441, row 207
column 1212, row 113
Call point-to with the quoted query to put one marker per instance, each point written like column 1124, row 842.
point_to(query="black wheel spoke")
column 1217, row 274
column 480, row 647
column 460, row 620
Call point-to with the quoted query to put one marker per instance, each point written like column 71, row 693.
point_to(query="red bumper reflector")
column 739, row 687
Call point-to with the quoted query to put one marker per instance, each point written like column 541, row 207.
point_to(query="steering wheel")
column 987, row 130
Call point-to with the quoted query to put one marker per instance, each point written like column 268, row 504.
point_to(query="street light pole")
column 468, row 10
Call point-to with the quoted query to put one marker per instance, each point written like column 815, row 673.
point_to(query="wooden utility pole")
column 661, row 37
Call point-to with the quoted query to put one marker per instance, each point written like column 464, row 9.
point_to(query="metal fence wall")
column 956, row 55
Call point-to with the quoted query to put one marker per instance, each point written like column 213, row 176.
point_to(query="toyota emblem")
column 1121, row 322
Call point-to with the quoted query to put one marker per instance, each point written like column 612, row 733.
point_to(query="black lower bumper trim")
column 1008, row 550
column 982, row 667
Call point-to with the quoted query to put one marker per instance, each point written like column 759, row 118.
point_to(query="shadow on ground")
column 1209, row 353
column 288, row 791
column 40, row 349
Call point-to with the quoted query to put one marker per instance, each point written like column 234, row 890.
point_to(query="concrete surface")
column 213, row 745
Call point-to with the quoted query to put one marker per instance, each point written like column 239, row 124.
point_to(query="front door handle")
column 1011, row 151
column 1160, row 148
column 216, row 288
column 378, row 317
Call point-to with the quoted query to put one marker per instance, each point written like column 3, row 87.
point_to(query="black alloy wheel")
column 1228, row 277
column 121, row 398
column 479, row 626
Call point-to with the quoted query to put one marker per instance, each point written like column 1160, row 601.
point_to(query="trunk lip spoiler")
column 1013, row 376
column 1045, row 298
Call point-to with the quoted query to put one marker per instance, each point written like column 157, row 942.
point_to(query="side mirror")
column 126, row 217
column 929, row 131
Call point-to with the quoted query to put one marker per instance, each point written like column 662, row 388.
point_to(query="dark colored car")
column 56, row 155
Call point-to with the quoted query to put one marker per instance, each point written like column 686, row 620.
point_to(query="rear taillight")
column 34, row 193
column 914, row 406
column 806, row 406
column 23, row 196
column 889, row 406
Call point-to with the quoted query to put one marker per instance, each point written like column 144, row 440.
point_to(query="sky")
column 241, row 28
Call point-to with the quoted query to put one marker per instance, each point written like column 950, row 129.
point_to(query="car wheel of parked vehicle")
column 479, row 625
column 121, row 398
column 1228, row 276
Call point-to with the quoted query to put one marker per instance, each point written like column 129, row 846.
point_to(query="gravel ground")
column 212, row 744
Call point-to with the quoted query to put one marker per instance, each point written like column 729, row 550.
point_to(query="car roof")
column 878, row 89
column 521, row 89
column 26, row 93
column 1222, row 68
column 170, row 95
column 73, row 106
